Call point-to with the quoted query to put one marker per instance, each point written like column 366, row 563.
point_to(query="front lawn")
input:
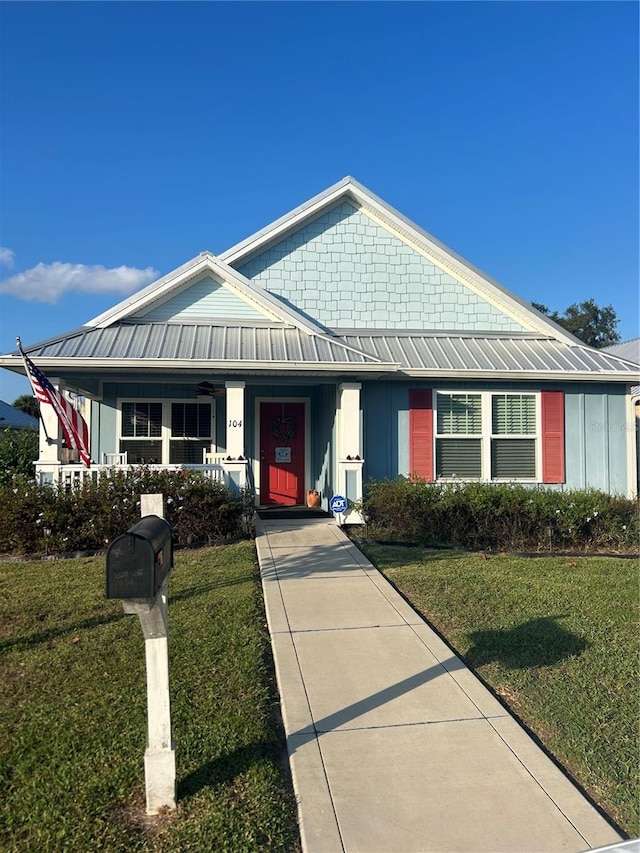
column 73, row 712
column 557, row 638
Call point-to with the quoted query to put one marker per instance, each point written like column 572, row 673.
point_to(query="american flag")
column 74, row 427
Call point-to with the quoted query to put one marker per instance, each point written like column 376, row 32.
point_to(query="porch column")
column 350, row 462
column 50, row 451
column 236, row 466
column 235, row 419
column 349, row 428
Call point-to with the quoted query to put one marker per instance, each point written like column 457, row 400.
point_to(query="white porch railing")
column 52, row 474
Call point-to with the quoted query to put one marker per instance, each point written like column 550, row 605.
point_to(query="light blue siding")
column 386, row 429
column 596, row 444
column 596, row 439
column 323, row 432
column 103, row 429
column 576, row 445
column 351, row 485
column 618, row 445
column 220, row 425
column 347, row 271
column 234, row 482
column 205, row 300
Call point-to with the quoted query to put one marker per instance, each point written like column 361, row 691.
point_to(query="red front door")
column 282, row 453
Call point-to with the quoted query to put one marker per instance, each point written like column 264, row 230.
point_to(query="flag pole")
column 42, row 423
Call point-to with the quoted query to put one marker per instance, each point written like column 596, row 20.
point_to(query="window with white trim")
column 190, row 432
column 165, row 432
column 487, row 436
column 459, row 436
column 513, row 436
column 141, row 431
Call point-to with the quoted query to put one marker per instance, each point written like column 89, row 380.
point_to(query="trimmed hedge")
column 478, row 516
column 87, row 517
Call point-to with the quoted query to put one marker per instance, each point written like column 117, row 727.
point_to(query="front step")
column 285, row 513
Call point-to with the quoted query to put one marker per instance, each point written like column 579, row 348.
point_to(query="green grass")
column 73, row 712
column 557, row 638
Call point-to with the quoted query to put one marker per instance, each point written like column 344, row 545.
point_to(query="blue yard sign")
column 338, row 503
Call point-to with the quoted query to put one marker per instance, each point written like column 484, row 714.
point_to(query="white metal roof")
column 489, row 354
column 263, row 347
column 187, row 342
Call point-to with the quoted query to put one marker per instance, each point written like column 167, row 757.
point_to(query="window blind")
column 514, row 414
column 459, row 457
column 513, row 458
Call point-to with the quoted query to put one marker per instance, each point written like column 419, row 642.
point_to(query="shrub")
column 88, row 516
column 480, row 516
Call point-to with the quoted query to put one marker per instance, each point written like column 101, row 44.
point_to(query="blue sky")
column 135, row 135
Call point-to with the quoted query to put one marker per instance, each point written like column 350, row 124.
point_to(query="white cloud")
column 7, row 257
column 49, row 282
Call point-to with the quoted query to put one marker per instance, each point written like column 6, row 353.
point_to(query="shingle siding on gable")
column 347, row 271
column 207, row 299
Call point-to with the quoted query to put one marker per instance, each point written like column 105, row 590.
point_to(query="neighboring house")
column 343, row 342
column 11, row 417
column 629, row 350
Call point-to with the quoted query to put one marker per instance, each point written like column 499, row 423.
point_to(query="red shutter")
column 420, row 434
column 553, row 437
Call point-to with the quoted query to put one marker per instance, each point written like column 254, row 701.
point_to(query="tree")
column 593, row 325
column 18, row 452
column 27, row 403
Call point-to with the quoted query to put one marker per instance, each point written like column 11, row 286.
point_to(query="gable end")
column 348, row 270
column 206, row 299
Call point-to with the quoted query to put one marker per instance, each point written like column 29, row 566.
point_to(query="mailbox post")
column 138, row 567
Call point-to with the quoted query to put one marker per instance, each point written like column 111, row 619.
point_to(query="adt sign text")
column 338, row 504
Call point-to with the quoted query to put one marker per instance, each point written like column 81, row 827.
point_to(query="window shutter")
column 421, row 433
column 552, row 404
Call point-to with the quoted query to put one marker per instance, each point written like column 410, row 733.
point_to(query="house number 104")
column 235, row 423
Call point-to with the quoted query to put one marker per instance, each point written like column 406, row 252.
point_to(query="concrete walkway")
column 394, row 744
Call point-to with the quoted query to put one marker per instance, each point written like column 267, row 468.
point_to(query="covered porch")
column 279, row 439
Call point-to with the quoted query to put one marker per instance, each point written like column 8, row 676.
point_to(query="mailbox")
column 139, row 561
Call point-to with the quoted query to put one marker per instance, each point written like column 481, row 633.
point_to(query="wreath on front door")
column 284, row 429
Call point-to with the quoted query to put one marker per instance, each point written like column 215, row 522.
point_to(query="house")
column 630, row 350
column 342, row 342
column 12, row 418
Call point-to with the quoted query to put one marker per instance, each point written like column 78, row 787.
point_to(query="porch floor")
column 286, row 513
